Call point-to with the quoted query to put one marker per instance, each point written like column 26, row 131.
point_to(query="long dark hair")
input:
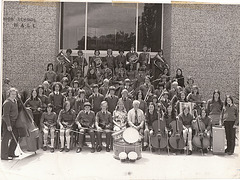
column 178, row 76
column 91, row 76
column 31, row 96
column 140, row 91
column 230, row 97
column 40, row 87
column 50, row 64
column 54, row 85
column 219, row 98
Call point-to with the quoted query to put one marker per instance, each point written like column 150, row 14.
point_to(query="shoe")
column 8, row 158
column 99, row 148
column 182, row 151
column 230, row 153
column 92, row 150
column 144, row 148
column 189, row 152
column 107, row 149
column 205, row 154
column 44, row 148
column 78, row 150
column 52, row 150
column 226, row 150
column 67, row 150
column 13, row 156
column 62, row 149
column 153, row 149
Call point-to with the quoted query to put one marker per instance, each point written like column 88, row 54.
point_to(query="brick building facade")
column 200, row 39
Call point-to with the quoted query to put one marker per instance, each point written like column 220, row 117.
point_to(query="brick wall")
column 30, row 41
column 205, row 44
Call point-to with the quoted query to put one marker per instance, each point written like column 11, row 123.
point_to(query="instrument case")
column 218, row 144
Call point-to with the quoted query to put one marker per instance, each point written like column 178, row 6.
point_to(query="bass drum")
column 131, row 135
column 119, row 147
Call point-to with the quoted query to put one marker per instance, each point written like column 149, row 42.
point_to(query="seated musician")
column 46, row 89
column 182, row 99
column 48, row 123
column 85, row 121
column 147, row 88
column 109, row 59
column 119, row 116
column 189, row 85
column 174, row 91
column 56, row 98
column 65, row 86
column 75, row 88
column 82, row 62
column 164, row 100
column 131, row 71
column 136, row 119
column 169, row 114
column 80, row 100
column 120, row 59
column 66, row 119
column 103, row 123
column 106, row 71
column 208, row 125
column 143, row 103
column 151, row 116
column 111, row 99
column 186, row 118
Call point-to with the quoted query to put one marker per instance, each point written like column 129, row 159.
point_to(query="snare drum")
column 131, row 135
column 117, row 135
column 119, row 147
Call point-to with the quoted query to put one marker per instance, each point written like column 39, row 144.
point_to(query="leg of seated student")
column 190, row 139
column 81, row 139
column 99, row 141
column 108, row 141
column 67, row 134
column 92, row 137
column 45, row 136
column 52, row 131
column 62, row 131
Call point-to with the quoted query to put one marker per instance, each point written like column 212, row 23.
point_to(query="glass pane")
column 149, row 26
column 111, row 26
column 73, row 25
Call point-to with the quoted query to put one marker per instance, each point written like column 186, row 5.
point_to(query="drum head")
column 130, row 135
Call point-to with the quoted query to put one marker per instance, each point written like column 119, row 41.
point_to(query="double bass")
column 176, row 140
column 200, row 138
column 26, row 127
column 159, row 139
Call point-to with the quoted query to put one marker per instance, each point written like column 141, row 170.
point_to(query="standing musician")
column 9, row 117
column 144, row 56
column 95, row 99
column 159, row 64
column 96, row 60
column 136, row 119
column 106, row 71
column 70, row 58
column 66, row 119
column 120, row 59
column 186, row 118
column 50, row 76
column 180, row 78
column 85, row 121
column 119, row 116
column 56, row 98
column 59, row 65
column 82, row 62
column 46, row 90
column 104, row 123
column 126, row 100
column 151, row 115
column 110, row 60
column 111, row 99
column 132, row 57
column 104, row 88
column 48, row 123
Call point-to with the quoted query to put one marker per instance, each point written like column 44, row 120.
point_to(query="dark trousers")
column 99, row 138
column 36, row 118
column 6, row 149
column 82, row 135
column 230, row 135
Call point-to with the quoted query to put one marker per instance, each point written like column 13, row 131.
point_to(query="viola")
column 176, row 140
column 200, row 139
column 159, row 138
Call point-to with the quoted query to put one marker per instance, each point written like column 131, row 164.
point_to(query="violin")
column 159, row 138
column 176, row 140
column 200, row 139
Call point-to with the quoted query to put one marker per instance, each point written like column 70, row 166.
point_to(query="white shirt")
column 131, row 115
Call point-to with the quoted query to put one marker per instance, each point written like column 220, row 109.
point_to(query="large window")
column 90, row 26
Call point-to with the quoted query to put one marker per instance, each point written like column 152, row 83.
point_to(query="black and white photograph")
column 95, row 90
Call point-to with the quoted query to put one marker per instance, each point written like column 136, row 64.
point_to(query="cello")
column 26, row 127
column 159, row 138
column 200, row 138
column 176, row 140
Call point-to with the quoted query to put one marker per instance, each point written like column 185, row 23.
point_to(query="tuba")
column 133, row 59
column 160, row 63
column 98, row 62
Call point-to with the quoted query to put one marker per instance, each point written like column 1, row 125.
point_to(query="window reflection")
column 149, row 26
column 111, row 26
column 73, row 25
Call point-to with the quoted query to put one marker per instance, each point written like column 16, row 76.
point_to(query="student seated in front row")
column 85, row 121
column 48, row 123
column 104, row 123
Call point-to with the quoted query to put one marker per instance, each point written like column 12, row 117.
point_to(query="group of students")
column 68, row 101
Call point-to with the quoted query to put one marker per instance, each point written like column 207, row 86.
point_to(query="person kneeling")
column 66, row 120
column 85, row 121
column 48, row 123
column 104, row 123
